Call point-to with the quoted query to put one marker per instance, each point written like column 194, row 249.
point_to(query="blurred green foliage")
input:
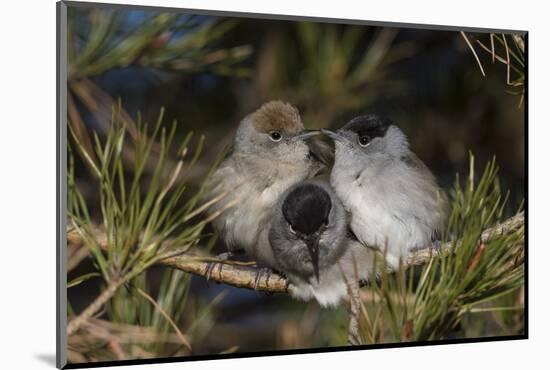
column 327, row 69
column 102, row 40
column 98, row 40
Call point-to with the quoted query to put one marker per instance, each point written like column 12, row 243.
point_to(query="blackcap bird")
column 393, row 198
column 269, row 155
column 312, row 245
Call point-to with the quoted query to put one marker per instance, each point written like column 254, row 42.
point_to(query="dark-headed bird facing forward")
column 313, row 247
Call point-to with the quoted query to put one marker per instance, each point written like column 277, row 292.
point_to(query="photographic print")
column 241, row 185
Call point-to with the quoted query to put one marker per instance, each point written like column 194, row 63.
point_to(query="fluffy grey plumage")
column 393, row 198
column 311, row 244
column 269, row 155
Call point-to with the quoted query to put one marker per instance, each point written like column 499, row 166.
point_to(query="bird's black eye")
column 275, row 136
column 364, row 140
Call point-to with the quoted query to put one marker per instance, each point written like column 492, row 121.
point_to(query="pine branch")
column 228, row 273
column 244, row 276
column 424, row 255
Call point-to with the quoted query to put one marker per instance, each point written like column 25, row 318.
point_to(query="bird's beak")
column 307, row 134
column 333, row 135
column 313, row 248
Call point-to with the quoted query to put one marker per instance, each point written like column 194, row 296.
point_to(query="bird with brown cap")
column 269, row 155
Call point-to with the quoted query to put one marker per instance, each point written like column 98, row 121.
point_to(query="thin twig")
column 519, row 42
column 95, row 306
column 492, row 46
column 181, row 336
column 473, row 52
column 507, row 60
column 77, row 255
column 494, row 55
column 354, row 337
column 125, row 333
column 116, row 348
column 498, row 57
